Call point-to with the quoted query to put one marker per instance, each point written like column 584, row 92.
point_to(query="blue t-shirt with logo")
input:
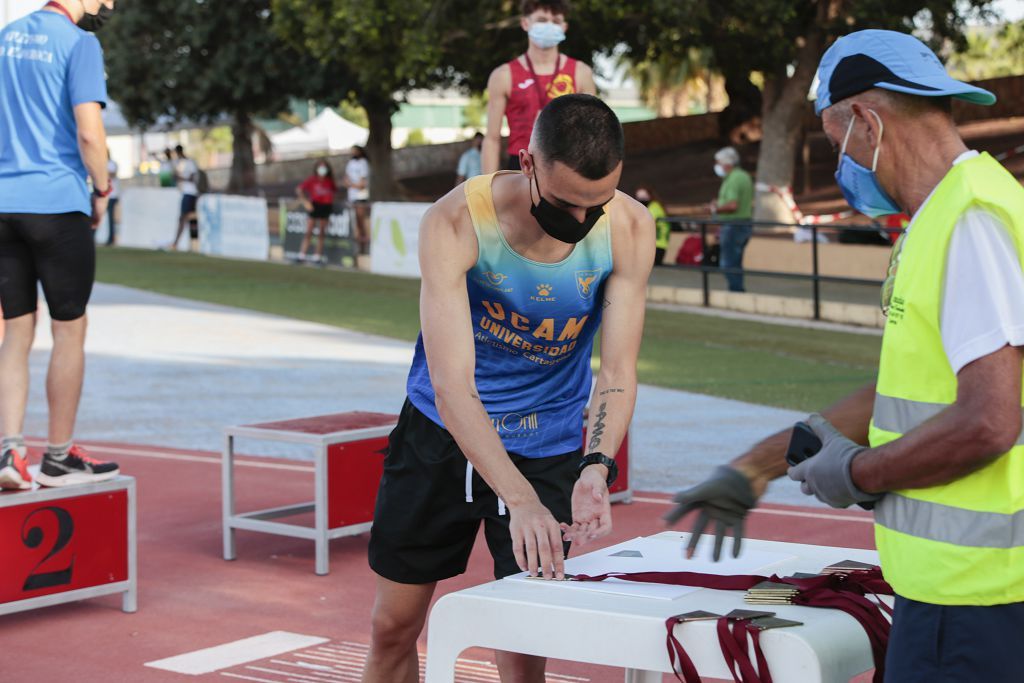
column 48, row 66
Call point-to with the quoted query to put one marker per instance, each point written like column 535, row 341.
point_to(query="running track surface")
column 190, row 598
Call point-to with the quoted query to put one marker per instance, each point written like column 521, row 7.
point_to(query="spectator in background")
column 469, row 162
column 186, row 173
column 661, row 226
column 357, row 180
column 734, row 207
column 167, row 169
column 115, row 195
column 317, row 196
column 519, row 89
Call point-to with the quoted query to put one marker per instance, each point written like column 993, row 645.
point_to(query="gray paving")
column 170, row 372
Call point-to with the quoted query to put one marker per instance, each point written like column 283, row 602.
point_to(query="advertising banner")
column 234, row 226
column 149, row 218
column 394, row 238
column 339, row 247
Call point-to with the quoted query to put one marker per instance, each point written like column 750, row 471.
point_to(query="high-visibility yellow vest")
column 960, row 543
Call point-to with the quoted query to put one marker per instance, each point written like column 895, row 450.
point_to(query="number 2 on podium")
column 32, row 537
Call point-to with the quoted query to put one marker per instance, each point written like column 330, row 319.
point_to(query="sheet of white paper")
column 657, row 555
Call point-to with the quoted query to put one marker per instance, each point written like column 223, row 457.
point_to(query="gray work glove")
column 725, row 498
column 827, row 475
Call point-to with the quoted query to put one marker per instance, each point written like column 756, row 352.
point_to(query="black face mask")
column 94, row 22
column 560, row 224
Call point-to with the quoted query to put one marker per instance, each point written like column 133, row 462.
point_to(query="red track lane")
column 190, row 598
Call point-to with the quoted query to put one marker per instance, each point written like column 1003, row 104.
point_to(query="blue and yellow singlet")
column 533, row 328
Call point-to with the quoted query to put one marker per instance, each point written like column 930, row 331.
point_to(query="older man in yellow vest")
column 935, row 445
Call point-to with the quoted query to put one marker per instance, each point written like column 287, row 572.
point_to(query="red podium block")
column 65, row 544
column 348, row 456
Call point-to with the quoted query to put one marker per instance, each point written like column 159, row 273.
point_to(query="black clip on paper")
column 805, row 444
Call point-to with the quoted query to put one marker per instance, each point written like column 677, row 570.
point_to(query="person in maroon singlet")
column 519, row 89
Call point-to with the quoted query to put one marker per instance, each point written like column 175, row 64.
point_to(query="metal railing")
column 704, row 226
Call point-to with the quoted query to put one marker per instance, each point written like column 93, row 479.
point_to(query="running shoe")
column 76, row 468
column 14, row 470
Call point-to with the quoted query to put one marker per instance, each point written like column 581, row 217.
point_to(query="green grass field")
column 774, row 365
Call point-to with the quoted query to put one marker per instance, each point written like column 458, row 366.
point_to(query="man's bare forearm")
column 947, row 447
column 766, row 460
column 469, row 424
column 611, row 408
column 94, row 155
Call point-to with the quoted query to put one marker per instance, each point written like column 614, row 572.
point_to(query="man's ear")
column 526, row 162
column 869, row 120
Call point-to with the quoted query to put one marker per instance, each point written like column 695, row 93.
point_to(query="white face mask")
column 546, row 34
column 720, row 170
column 321, row 171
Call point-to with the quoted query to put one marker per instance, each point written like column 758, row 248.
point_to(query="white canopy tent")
column 328, row 132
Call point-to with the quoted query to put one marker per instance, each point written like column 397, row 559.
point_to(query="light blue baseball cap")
column 890, row 60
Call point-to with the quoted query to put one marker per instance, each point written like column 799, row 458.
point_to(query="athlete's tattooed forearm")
column 614, row 390
column 595, row 438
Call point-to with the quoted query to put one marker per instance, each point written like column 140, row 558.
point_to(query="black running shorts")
column 321, row 210
column 424, row 527
column 57, row 250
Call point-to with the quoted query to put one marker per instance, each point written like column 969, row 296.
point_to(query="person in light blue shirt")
column 52, row 90
column 469, row 162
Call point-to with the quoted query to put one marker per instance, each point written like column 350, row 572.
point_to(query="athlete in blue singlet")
column 520, row 271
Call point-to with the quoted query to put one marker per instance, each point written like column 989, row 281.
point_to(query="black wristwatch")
column 601, row 459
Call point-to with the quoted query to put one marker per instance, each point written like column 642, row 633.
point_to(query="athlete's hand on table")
column 591, row 507
column 536, row 540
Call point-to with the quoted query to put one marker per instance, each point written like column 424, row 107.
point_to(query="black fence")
column 706, row 226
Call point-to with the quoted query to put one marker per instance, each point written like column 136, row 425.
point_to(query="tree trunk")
column 785, row 100
column 243, row 164
column 378, row 149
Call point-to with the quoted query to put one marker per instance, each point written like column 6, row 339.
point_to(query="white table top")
column 570, row 624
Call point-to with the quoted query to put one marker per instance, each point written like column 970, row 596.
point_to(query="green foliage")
column 200, row 60
column 474, row 113
column 416, row 138
column 991, row 52
column 353, row 112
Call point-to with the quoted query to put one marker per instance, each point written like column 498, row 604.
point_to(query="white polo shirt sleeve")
column 983, row 293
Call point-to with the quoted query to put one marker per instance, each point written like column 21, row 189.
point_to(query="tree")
column 783, row 40
column 209, row 62
column 394, row 46
column 991, row 52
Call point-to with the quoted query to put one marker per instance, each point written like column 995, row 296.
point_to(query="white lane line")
column 770, row 511
column 247, row 678
column 349, row 656
column 137, row 452
column 235, row 653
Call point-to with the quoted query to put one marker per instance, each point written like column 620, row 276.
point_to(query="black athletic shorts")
column 321, row 210
column 57, row 250
column 189, row 202
column 424, row 527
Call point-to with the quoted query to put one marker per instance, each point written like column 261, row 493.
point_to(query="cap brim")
column 945, row 86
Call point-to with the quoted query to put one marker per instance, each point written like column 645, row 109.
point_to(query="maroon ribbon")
column 845, row 592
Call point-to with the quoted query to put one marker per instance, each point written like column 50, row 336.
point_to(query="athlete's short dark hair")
column 583, row 133
column 528, row 7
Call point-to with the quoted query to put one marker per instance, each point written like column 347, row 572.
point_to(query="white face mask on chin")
column 720, row 170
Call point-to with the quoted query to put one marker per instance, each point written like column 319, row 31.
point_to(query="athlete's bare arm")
column 611, row 405
column 499, row 85
column 448, row 249
column 585, row 80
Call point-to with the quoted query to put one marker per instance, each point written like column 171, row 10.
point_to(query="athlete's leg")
column 305, row 238
column 64, row 378
column 399, row 612
column 518, row 668
column 19, row 298
column 14, row 377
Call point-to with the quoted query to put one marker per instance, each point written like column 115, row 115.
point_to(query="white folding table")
column 629, row 632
